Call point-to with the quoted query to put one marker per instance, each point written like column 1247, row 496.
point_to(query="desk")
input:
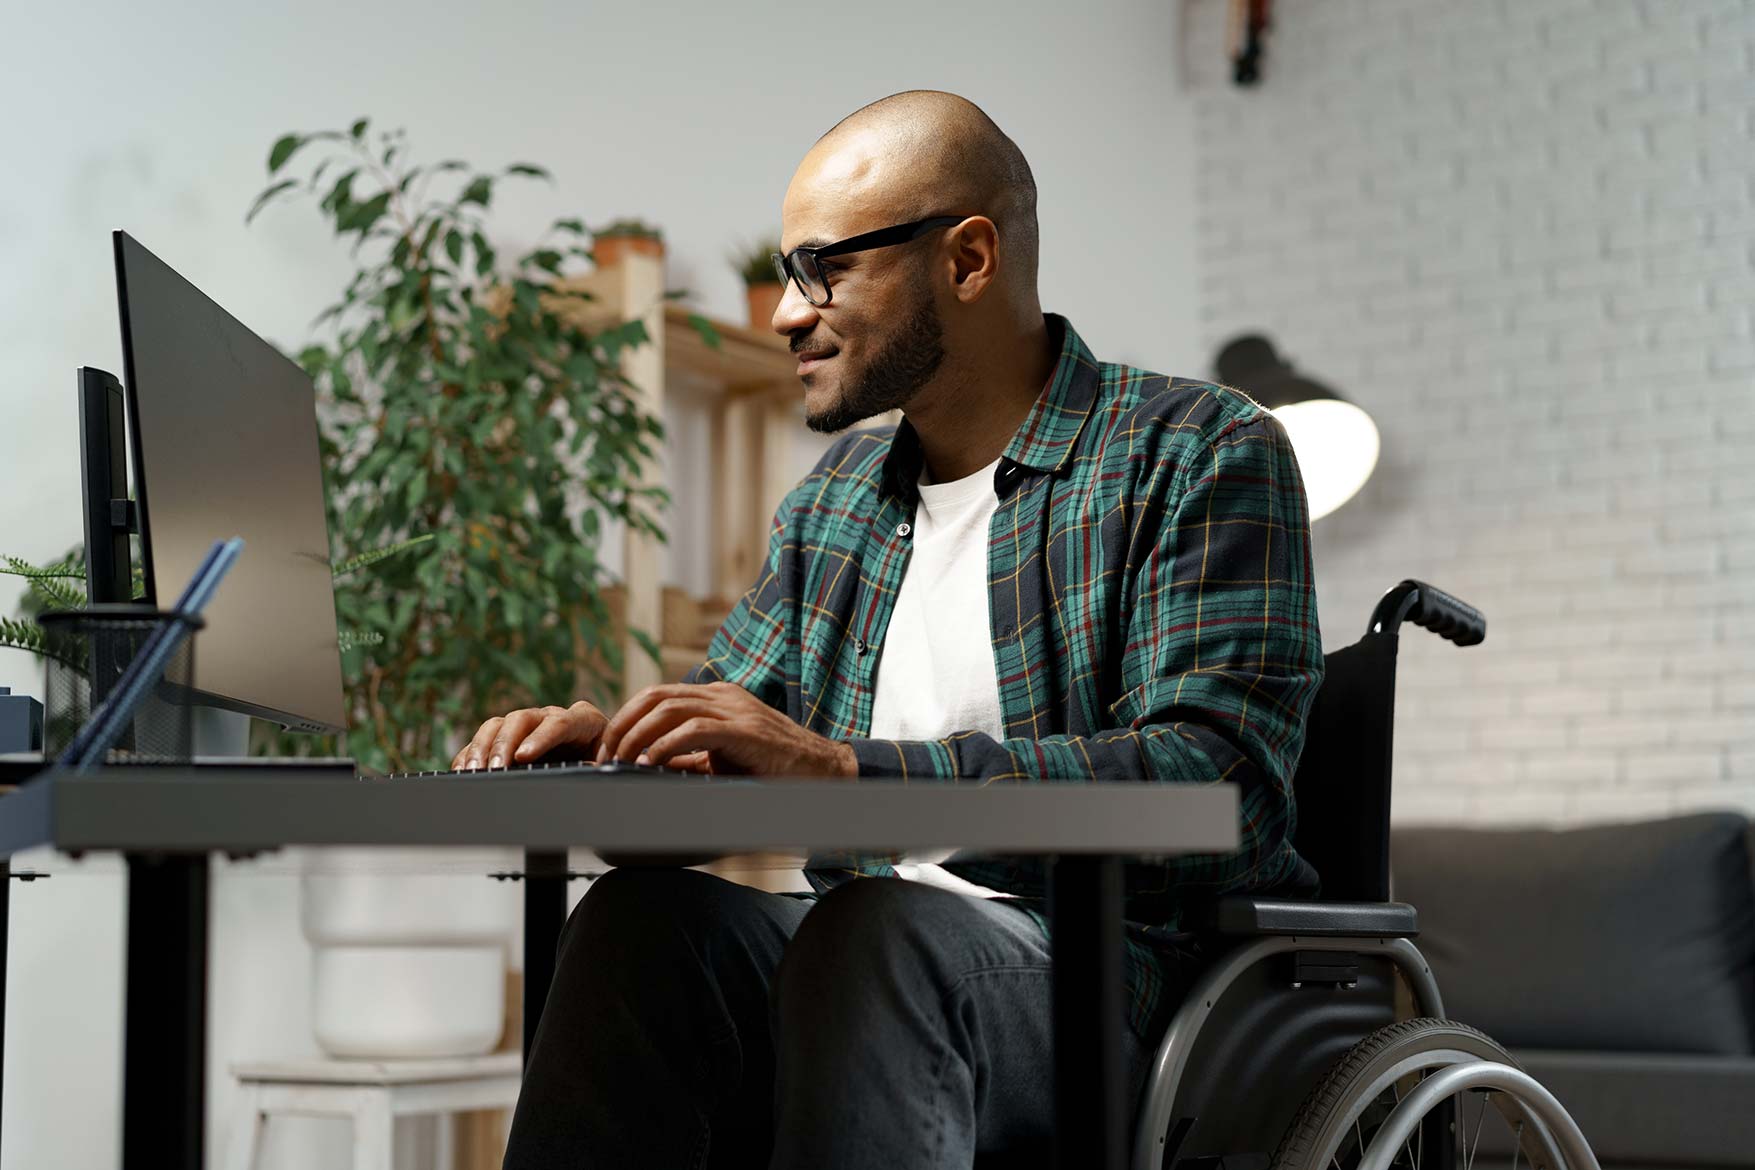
column 167, row 820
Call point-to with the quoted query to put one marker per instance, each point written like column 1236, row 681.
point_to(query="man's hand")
column 530, row 733
column 737, row 731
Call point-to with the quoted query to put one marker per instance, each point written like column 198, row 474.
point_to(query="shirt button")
column 903, row 529
column 860, row 646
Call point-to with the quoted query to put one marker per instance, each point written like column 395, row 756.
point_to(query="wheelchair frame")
column 1377, row 928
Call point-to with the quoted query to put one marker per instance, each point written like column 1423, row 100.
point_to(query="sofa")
column 1615, row 962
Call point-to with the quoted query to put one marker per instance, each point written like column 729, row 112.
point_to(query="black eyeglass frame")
column 790, row 264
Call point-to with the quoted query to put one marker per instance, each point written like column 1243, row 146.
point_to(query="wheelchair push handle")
column 1429, row 607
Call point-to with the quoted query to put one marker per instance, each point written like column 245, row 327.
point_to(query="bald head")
column 924, row 152
column 947, row 319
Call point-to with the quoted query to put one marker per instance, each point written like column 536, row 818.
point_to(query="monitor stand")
column 220, row 734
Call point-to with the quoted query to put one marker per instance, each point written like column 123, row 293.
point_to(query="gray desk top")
column 178, row 810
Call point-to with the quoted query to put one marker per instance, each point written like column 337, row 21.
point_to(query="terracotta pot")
column 764, row 298
column 607, row 251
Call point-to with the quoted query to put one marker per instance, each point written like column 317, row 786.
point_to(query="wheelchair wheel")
column 1335, row 1127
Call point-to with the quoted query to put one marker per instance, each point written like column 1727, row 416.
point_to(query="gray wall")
column 1522, row 234
column 157, row 119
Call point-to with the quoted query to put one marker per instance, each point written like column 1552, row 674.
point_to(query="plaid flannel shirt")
column 1151, row 608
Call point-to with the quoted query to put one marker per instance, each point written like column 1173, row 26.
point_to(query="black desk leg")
column 545, row 912
column 5, row 932
column 1090, row 1104
column 164, row 1057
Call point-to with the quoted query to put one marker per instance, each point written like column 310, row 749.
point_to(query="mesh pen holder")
column 87, row 652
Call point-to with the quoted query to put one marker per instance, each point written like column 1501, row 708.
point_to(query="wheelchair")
column 1316, row 1038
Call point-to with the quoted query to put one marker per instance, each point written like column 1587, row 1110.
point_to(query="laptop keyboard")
column 554, row 768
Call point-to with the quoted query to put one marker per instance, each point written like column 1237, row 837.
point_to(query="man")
column 1053, row 569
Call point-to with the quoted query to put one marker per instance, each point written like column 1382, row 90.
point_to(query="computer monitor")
column 223, row 436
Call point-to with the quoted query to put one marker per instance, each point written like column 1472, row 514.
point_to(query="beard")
column 906, row 363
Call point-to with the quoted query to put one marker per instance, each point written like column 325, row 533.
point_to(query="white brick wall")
column 1521, row 233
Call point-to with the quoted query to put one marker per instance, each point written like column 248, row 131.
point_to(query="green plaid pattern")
column 1152, row 611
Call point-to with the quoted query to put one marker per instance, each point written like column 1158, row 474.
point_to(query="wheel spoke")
column 1469, row 1154
column 1517, row 1150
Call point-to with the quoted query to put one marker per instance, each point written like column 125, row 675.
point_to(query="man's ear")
column 975, row 258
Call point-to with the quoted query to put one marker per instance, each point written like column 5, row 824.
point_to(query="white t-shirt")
column 935, row 674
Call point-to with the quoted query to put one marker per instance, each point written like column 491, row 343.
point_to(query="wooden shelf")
column 677, row 661
column 747, row 360
column 748, row 384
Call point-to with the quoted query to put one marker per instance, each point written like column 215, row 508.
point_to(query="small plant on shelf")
column 755, row 265
column 620, row 237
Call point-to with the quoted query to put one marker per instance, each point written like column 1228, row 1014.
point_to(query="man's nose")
column 793, row 312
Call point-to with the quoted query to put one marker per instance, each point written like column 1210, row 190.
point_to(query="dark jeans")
column 698, row 1023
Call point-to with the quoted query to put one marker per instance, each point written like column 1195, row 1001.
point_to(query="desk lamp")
column 1335, row 441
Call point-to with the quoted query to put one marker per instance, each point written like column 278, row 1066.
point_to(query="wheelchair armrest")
column 1241, row 914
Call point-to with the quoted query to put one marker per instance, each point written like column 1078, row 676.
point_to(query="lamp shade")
column 1335, row 441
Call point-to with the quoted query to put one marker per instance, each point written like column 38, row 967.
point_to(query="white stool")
column 373, row 1093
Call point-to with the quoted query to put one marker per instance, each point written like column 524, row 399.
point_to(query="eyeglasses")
column 804, row 265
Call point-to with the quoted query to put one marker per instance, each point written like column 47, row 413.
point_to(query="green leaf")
column 355, row 563
column 341, row 194
column 358, row 130
column 484, row 253
column 417, row 489
column 529, row 169
column 270, row 193
column 67, row 570
column 576, row 226
column 28, row 636
column 646, row 643
column 52, row 593
column 362, row 216
column 481, row 191
column 352, row 639
column 704, row 327
column 454, row 245
column 283, row 150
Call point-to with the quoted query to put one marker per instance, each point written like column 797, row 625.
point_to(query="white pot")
column 408, row 949
column 408, row 1002
column 375, row 897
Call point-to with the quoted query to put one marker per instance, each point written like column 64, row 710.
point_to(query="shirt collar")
column 1045, row 440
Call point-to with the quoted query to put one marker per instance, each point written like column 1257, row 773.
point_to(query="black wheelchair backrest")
column 1343, row 779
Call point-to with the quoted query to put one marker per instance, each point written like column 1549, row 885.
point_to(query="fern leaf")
column 55, row 594
column 65, row 571
column 351, row 564
column 348, row 639
column 28, row 636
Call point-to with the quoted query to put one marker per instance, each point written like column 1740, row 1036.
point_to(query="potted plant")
column 623, row 237
column 460, row 395
column 761, row 283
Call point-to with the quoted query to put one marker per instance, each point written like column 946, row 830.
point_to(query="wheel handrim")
column 1354, row 1133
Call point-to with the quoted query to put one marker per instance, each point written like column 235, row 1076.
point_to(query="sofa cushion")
column 1645, row 1110
column 1633, row 937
